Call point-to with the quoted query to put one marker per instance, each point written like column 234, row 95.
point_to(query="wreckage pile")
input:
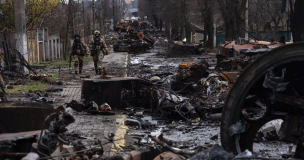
column 191, row 96
column 53, row 142
column 199, row 90
column 173, row 111
column 180, row 48
column 135, row 37
column 155, row 105
column 236, row 56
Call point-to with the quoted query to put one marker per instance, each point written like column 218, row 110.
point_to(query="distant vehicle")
column 135, row 18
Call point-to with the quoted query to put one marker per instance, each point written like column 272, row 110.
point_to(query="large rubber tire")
column 235, row 100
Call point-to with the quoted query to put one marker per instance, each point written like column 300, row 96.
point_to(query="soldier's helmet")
column 96, row 32
column 77, row 35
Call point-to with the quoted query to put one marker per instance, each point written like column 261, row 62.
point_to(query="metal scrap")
column 173, row 149
column 238, row 128
column 227, row 77
column 275, row 83
column 38, row 76
column 169, row 156
column 214, row 117
column 38, row 96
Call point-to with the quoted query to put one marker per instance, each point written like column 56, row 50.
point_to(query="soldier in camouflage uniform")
column 2, row 90
column 78, row 51
column 98, row 50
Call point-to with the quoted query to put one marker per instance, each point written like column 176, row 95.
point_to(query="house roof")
column 196, row 28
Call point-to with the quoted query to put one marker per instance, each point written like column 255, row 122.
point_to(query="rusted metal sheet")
column 18, row 136
column 23, row 116
column 227, row 77
column 141, row 154
column 13, row 155
column 117, row 92
column 169, row 156
column 17, row 145
column 231, row 49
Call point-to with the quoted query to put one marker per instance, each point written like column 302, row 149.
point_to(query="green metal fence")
column 287, row 34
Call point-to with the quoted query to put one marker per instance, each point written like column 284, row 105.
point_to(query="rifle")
column 105, row 52
column 93, row 52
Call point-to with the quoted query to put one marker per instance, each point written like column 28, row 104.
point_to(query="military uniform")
column 98, row 48
column 2, row 91
column 78, row 51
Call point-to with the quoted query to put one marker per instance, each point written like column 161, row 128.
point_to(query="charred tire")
column 236, row 97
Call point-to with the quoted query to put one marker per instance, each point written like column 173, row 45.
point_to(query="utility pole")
column 93, row 6
column 100, row 16
column 113, row 13
column 83, row 21
column 73, row 17
column 185, row 20
column 21, row 43
column 214, row 35
column 119, row 10
column 246, row 20
column 78, row 22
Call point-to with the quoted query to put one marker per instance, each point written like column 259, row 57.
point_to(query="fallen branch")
column 23, row 61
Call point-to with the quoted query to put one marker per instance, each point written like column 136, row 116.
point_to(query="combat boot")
column 95, row 66
column 80, row 68
column 96, row 70
column 99, row 71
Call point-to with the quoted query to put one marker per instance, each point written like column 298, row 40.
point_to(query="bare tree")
column 70, row 19
column 233, row 13
column 206, row 8
column 296, row 20
column 265, row 14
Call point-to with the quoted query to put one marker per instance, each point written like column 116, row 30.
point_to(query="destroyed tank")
column 270, row 88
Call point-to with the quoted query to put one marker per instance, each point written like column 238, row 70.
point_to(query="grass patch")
column 61, row 62
column 34, row 87
column 54, row 75
column 88, row 58
column 54, row 64
column 58, row 62
column 38, row 64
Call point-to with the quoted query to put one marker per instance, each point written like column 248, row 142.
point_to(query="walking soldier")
column 98, row 50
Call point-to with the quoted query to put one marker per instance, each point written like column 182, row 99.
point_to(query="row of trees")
column 173, row 12
column 179, row 14
column 36, row 11
column 228, row 15
column 64, row 17
column 84, row 17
